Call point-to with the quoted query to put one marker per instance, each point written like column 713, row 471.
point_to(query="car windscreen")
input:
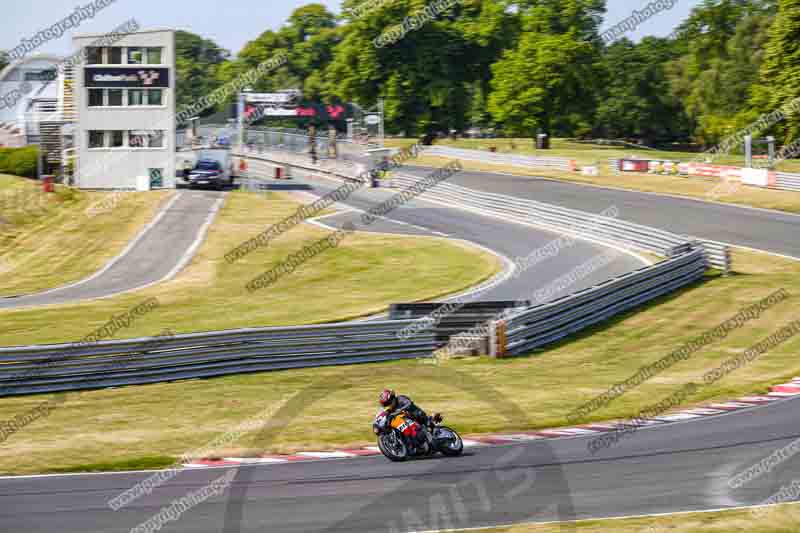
column 208, row 165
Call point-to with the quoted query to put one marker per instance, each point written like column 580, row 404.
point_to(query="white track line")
column 626, row 517
column 187, row 256
column 509, row 267
column 663, row 194
column 455, row 205
column 198, row 240
column 162, row 212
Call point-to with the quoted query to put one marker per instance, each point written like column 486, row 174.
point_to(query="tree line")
column 527, row 66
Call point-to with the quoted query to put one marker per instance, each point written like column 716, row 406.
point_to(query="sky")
column 231, row 23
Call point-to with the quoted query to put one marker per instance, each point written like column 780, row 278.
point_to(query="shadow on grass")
column 142, row 463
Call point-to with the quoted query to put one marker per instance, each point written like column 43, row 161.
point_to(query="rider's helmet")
column 387, row 397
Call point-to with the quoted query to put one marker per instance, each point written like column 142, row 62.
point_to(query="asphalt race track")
column 672, row 467
column 772, row 231
column 159, row 251
column 665, row 468
column 508, row 239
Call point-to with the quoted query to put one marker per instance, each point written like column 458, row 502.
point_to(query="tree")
column 548, row 81
column 425, row 77
column 721, row 53
column 636, row 101
column 197, row 61
column 308, row 38
column 4, row 59
column 780, row 72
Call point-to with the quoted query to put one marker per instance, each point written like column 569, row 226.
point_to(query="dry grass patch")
column 362, row 276
column 172, row 418
column 50, row 240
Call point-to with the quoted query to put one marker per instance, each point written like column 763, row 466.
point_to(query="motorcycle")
column 401, row 437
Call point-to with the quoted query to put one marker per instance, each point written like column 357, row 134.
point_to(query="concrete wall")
column 118, row 168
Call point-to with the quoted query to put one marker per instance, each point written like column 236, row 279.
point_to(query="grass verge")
column 50, row 240
column 788, row 201
column 174, row 418
column 363, row 275
column 776, row 519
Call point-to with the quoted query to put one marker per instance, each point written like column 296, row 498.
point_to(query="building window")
column 145, row 97
column 95, row 97
column 115, row 97
column 115, row 55
column 156, row 139
column 135, row 56
column 117, row 139
column 146, row 139
column 94, row 55
column 137, row 139
column 97, row 139
column 136, row 97
column 154, row 97
column 154, row 56
column 40, row 75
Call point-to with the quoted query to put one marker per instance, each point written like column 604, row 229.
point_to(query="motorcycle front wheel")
column 449, row 441
column 393, row 447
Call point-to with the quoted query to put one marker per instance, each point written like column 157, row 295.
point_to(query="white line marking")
column 634, row 191
column 254, row 460
column 326, row 455
column 544, row 227
column 146, row 229
column 181, row 263
column 595, row 519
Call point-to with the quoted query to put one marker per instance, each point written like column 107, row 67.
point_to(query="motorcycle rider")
column 395, row 404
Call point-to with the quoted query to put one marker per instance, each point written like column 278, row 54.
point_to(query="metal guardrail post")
column 498, row 339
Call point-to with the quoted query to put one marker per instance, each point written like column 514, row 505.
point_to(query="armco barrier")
column 571, row 221
column 787, row 181
column 603, row 228
column 448, row 319
column 718, row 255
column 558, row 163
column 54, row 368
column 549, row 322
column 267, row 159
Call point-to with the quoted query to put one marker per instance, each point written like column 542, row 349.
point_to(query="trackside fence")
column 571, row 221
column 558, row 163
column 546, row 323
column 787, row 181
column 54, row 368
column 73, row 367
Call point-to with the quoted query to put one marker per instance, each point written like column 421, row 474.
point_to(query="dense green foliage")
column 526, row 66
column 4, row 60
column 19, row 161
column 197, row 62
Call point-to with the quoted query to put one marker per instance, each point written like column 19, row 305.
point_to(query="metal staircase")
column 45, row 122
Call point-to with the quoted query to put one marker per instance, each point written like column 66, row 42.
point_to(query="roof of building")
column 29, row 59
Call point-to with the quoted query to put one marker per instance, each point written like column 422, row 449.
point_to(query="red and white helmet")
column 387, row 397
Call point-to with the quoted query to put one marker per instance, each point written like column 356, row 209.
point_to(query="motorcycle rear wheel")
column 393, row 447
column 453, row 447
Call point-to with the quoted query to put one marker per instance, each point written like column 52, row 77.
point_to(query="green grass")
column 49, row 240
column 776, row 519
column 476, row 394
column 363, row 275
column 142, row 463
